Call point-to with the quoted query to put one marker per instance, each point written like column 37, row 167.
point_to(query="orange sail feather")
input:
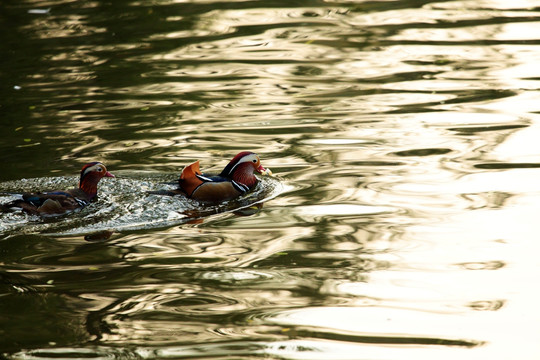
column 189, row 180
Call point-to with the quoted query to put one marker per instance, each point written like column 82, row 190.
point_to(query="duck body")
column 59, row 202
column 236, row 179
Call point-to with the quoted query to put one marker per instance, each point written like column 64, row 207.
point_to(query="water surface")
column 401, row 221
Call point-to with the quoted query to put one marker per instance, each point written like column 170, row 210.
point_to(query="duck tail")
column 18, row 205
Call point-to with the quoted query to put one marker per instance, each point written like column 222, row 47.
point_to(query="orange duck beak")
column 108, row 174
column 263, row 171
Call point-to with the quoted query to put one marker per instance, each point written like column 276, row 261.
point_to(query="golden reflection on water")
column 403, row 139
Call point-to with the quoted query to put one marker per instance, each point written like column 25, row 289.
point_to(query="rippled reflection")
column 401, row 222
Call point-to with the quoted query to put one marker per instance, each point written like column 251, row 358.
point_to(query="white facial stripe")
column 94, row 168
column 247, row 158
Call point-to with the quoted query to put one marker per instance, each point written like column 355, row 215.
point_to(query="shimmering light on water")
column 401, row 221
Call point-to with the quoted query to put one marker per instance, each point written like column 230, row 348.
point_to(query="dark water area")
column 400, row 222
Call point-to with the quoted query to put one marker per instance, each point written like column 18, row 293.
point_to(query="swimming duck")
column 61, row 201
column 236, row 179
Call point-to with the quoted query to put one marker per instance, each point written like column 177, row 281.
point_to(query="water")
column 401, row 220
column 129, row 203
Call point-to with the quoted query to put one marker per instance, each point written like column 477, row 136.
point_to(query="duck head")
column 242, row 167
column 91, row 173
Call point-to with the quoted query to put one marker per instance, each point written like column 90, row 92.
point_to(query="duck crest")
column 231, row 166
column 91, row 173
column 85, row 169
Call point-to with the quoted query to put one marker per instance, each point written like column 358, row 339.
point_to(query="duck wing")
column 208, row 188
column 217, row 191
column 53, row 202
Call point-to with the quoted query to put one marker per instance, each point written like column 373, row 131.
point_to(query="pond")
column 400, row 222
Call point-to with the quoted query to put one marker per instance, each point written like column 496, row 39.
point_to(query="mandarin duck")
column 61, row 201
column 236, row 179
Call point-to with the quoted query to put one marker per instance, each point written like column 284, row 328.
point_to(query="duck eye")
column 254, row 160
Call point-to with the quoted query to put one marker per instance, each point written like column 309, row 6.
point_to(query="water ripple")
column 403, row 223
column 124, row 204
